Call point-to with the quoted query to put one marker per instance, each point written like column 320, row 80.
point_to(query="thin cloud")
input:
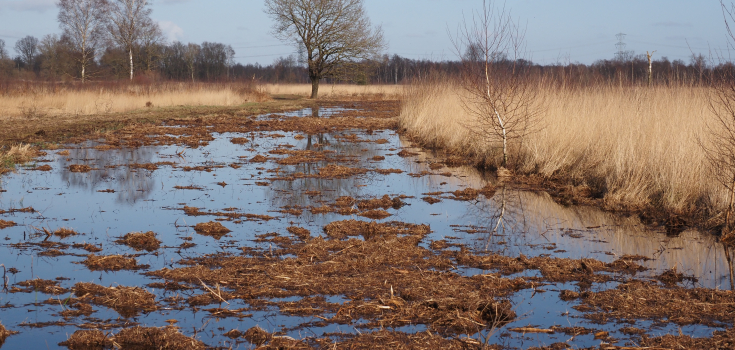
column 172, row 31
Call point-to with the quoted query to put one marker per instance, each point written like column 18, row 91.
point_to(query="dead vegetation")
column 127, row 301
column 4, row 333
column 41, row 285
column 111, row 263
column 387, row 277
column 79, row 168
column 211, row 228
column 137, row 337
column 647, row 300
column 141, row 241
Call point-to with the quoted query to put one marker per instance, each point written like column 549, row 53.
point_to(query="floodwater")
column 115, row 198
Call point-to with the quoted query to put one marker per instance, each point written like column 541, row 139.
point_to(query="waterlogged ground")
column 288, row 230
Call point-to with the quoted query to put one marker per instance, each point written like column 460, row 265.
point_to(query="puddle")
column 154, row 188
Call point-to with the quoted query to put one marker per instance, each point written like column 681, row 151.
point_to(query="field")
column 228, row 216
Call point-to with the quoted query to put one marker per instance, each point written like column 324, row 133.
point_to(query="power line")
column 255, row 47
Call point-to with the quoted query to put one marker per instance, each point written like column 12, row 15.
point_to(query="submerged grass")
column 634, row 148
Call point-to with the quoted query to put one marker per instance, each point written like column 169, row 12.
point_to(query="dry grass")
column 41, row 101
column 17, row 154
column 634, row 147
column 328, row 91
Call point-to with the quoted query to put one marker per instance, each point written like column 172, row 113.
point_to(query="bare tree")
column 332, row 32
column 720, row 145
column 498, row 91
column 27, row 49
column 128, row 22
column 3, row 51
column 191, row 54
column 82, row 22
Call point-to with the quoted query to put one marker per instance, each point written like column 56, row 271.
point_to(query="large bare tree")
column 82, row 22
column 129, row 22
column 332, row 32
column 499, row 92
column 27, row 49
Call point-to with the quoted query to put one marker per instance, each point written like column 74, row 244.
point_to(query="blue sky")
column 557, row 31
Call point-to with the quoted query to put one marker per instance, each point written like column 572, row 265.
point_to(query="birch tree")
column 128, row 22
column 499, row 93
column 82, row 22
column 332, row 32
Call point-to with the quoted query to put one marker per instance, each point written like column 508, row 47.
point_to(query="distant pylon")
column 620, row 45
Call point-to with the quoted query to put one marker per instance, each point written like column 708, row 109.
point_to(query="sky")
column 560, row 31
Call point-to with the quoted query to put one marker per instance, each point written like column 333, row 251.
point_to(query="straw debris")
column 141, row 241
column 127, row 301
column 111, row 263
column 211, row 228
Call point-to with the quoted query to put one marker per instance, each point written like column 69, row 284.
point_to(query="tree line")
column 116, row 39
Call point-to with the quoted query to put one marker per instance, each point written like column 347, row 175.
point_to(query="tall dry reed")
column 330, row 91
column 634, row 146
column 37, row 100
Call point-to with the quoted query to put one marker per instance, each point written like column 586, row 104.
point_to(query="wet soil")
column 230, row 229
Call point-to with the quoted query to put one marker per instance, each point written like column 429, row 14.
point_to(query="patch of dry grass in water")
column 635, row 147
column 136, row 337
column 17, row 154
column 141, row 241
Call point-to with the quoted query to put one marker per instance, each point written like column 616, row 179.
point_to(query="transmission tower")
column 620, row 45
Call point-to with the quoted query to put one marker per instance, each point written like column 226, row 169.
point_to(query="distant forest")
column 54, row 59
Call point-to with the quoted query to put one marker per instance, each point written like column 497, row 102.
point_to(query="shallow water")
column 512, row 222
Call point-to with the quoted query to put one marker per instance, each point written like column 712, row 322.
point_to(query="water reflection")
column 112, row 170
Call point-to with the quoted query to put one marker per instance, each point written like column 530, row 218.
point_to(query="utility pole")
column 650, row 67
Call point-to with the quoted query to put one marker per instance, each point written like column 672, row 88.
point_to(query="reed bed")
column 329, row 91
column 36, row 100
column 635, row 147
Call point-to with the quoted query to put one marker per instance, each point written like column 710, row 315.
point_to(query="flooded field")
column 295, row 231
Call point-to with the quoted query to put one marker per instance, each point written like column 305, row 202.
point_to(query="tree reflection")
column 112, row 171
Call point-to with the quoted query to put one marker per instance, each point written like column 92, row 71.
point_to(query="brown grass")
column 17, row 154
column 136, row 337
column 127, row 301
column 141, row 241
column 40, row 101
column 634, row 147
column 111, row 263
column 338, row 91
column 211, row 228
column 4, row 333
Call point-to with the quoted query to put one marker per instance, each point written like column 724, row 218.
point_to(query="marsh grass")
column 634, row 147
column 37, row 100
column 336, row 91
column 17, row 154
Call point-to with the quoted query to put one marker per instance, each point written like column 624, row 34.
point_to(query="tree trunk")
column 83, row 66
column 314, row 87
column 131, row 64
